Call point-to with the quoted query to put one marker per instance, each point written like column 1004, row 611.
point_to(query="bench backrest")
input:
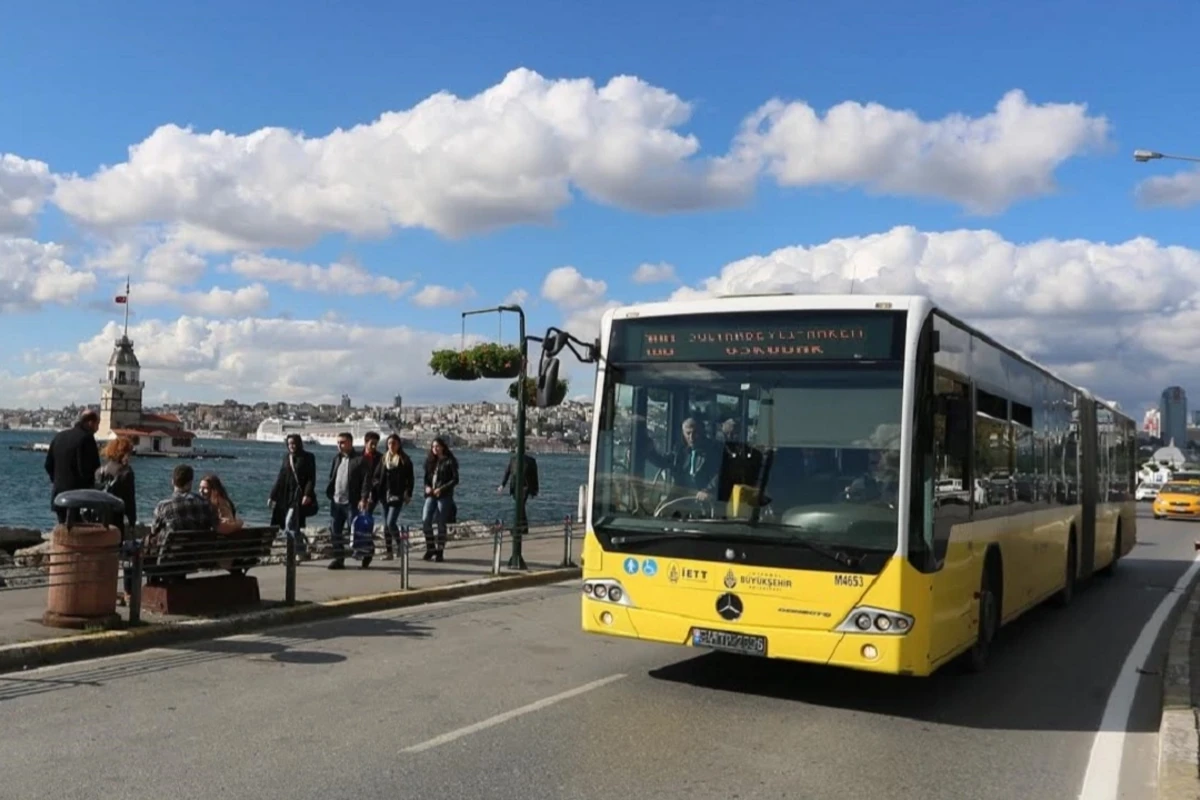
column 206, row 549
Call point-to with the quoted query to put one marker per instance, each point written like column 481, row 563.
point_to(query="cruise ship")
column 274, row 429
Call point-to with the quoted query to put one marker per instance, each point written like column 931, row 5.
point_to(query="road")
column 501, row 697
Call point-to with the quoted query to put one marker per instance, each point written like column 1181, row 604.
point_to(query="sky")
column 306, row 195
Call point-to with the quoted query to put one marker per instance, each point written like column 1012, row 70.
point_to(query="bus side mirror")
column 547, row 381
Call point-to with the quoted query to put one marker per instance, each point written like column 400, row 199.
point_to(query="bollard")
column 404, row 557
column 289, row 561
column 135, row 594
column 497, row 535
column 568, row 530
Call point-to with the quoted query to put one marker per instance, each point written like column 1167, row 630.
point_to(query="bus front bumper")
column 873, row 652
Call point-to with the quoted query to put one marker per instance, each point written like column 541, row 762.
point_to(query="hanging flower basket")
column 495, row 360
column 453, row 365
column 556, row 397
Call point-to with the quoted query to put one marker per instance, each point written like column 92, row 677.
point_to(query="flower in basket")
column 454, row 365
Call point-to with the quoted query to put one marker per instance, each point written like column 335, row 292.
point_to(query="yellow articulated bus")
column 857, row 481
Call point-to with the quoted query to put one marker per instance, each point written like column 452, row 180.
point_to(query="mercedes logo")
column 729, row 606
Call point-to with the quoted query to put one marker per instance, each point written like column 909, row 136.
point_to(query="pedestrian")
column 347, row 480
column 441, row 476
column 293, row 497
column 116, row 477
column 72, row 461
column 392, row 486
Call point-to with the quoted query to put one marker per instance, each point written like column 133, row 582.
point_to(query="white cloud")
column 1180, row 190
column 514, row 153
column 215, row 302
column 433, row 296
column 35, row 273
column 455, row 165
column 983, row 163
column 1114, row 317
column 517, row 297
column 654, row 273
column 24, row 187
column 568, row 289
column 202, row 359
column 339, row 278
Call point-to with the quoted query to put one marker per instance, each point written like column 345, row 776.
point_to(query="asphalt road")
column 502, row 697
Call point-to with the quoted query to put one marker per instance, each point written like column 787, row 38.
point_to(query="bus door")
column 1088, row 465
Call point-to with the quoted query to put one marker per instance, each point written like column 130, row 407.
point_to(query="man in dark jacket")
column 348, row 477
column 73, row 459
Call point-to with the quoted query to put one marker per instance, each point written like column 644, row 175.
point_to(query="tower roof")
column 123, row 355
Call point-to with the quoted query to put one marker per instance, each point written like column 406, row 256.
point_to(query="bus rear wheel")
column 1111, row 566
column 989, row 620
column 1067, row 593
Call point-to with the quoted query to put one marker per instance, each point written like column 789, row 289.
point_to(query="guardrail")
column 84, row 564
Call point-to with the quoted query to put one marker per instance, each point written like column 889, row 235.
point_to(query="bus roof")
column 787, row 301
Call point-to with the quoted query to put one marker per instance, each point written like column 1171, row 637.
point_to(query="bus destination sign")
column 760, row 337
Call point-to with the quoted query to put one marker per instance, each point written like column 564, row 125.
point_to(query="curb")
column 1178, row 738
column 27, row 655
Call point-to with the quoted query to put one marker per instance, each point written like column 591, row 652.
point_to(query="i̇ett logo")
column 729, row 607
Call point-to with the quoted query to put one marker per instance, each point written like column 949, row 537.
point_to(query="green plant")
column 557, row 396
column 496, row 360
column 453, row 365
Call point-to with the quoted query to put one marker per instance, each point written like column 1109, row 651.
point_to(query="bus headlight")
column 608, row 591
column 866, row 619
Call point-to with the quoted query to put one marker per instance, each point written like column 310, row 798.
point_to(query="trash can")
column 84, row 562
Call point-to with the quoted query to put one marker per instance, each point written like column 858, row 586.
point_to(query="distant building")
column 1152, row 423
column 121, row 405
column 1173, row 409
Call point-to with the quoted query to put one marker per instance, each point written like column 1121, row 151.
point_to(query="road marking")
column 1102, row 778
column 445, row 738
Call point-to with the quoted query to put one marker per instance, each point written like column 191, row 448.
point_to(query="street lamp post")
column 516, row 560
column 1142, row 156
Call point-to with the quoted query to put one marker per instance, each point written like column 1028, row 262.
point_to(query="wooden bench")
column 168, row 563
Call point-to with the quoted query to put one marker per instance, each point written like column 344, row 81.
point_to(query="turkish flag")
column 121, row 298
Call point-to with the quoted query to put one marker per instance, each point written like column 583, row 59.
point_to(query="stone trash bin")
column 84, row 562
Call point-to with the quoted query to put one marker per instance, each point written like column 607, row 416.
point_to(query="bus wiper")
column 833, row 554
column 658, row 536
column 836, row 554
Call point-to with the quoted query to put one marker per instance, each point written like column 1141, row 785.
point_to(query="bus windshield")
column 796, row 453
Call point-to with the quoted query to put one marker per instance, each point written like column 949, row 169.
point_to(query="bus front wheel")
column 989, row 618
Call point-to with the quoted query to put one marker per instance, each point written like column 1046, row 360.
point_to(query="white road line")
column 445, row 738
column 1102, row 778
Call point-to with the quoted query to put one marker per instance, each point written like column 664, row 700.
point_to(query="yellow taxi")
column 1178, row 499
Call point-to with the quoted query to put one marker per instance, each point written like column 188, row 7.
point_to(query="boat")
column 275, row 429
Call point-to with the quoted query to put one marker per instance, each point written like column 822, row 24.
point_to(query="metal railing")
column 68, row 569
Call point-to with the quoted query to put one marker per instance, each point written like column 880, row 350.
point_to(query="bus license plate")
column 729, row 642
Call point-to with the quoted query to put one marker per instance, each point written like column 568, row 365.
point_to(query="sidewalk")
column 468, row 561
column 1178, row 737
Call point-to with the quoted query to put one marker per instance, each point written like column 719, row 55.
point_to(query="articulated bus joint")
column 867, row 619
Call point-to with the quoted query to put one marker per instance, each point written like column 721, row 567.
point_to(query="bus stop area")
column 219, row 585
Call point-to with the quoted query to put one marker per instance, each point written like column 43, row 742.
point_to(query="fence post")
column 289, row 591
column 568, row 531
column 404, row 557
column 135, row 587
column 497, row 535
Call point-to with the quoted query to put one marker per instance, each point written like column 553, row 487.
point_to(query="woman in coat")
column 293, row 497
column 441, row 476
column 392, row 487
column 116, row 478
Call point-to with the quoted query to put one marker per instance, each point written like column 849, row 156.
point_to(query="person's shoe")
column 337, row 563
column 366, row 562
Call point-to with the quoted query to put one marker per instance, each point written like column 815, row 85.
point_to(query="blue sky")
column 84, row 83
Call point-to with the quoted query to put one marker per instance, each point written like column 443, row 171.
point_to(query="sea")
column 249, row 475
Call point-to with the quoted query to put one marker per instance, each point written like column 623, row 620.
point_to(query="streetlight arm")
column 1142, row 156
